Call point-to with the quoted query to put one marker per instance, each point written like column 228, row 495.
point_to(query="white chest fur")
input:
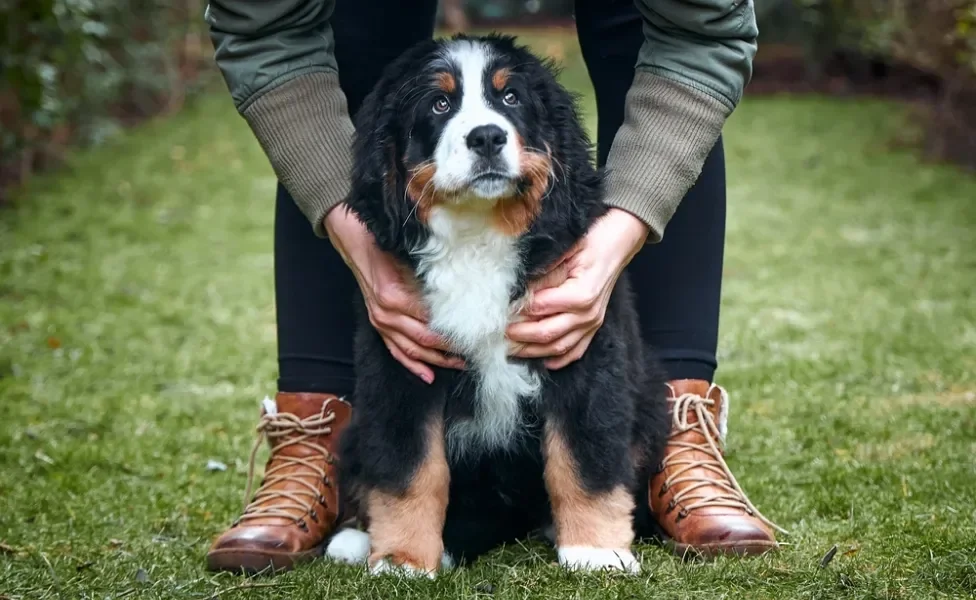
column 468, row 269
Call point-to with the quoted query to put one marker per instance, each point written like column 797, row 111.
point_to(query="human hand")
column 561, row 320
column 391, row 297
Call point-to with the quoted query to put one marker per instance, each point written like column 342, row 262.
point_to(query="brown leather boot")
column 296, row 508
column 694, row 496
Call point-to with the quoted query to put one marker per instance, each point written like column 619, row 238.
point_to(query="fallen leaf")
column 828, row 557
column 115, row 543
column 216, row 465
column 53, row 343
column 852, row 551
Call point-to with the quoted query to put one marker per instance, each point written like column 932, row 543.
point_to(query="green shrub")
column 939, row 38
column 75, row 71
column 936, row 36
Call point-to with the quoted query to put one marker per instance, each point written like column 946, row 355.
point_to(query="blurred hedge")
column 72, row 72
column 934, row 39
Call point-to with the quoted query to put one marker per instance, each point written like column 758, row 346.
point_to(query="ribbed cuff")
column 657, row 155
column 305, row 130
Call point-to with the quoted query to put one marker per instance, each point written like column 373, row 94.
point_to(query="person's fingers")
column 574, row 354
column 419, row 333
column 385, row 319
column 554, row 349
column 574, row 295
column 415, row 352
column 419, row 369
column 412, row 305
column 555, row 277
column 397, row 291
column 396, row 298
column 543, row 331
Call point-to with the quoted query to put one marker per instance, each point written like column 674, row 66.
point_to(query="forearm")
column 691, row 71
column 277, row 59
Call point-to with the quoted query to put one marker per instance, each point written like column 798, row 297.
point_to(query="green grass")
column 137, row 337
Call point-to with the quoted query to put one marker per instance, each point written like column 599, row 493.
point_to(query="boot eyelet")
column 326, row 481
column 314, row 516
column 302, row 525
column 681, row 515
column 664, row 490
column 322, row 501
column 235, row 523
column 671, row 506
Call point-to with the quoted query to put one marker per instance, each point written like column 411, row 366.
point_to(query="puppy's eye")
column 510, row 98
column 441, row 106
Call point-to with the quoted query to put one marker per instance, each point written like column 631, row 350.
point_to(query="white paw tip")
column 581, row 558
column 385, row 567
column 447, row 561
column 349, row 546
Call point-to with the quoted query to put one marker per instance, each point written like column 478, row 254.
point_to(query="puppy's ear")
column 374, row 173
column 378, row 177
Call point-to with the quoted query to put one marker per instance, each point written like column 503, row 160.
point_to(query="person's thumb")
column 554, row 300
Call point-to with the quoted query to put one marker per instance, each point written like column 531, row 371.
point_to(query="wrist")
column 332, row 219
column 346, row 232
column 626, row 227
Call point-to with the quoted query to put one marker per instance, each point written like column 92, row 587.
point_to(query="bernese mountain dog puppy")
column 472, row 167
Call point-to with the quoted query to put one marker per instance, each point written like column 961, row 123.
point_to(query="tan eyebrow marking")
column 500, row 78
column 446, row 82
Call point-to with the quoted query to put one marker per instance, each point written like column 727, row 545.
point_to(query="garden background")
column 137, row 308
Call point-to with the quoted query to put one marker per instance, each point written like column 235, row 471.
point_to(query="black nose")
column 487, row 140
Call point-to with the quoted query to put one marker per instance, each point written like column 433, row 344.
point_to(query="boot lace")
column 270, row 502
column 694, row 495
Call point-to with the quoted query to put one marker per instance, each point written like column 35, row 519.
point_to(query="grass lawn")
column 137, row 338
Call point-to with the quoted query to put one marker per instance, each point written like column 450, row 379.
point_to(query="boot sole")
column 710, row 551
column 257, row 562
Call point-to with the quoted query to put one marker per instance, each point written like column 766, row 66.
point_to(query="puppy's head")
column 467, row 123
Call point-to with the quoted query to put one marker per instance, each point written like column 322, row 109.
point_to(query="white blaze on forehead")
column 454, row 159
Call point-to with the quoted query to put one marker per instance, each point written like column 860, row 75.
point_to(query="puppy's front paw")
column 350, row 546
column 582, row 558
column 385, row 566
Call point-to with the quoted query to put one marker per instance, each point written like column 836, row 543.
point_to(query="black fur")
column 608, row 405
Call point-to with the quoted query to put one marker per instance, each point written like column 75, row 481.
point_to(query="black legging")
column 678, row 281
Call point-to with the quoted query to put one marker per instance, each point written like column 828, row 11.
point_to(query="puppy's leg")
column 405, row 529
column 593, row 524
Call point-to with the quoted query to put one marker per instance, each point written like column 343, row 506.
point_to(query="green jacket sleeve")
column 694, row 64
column 277, row 59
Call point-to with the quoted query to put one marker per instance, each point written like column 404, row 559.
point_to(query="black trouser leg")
column 313, row 286
column 678, row 281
